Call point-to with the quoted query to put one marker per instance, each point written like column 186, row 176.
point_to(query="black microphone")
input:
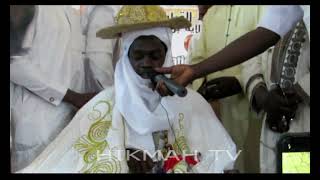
column 156, row 77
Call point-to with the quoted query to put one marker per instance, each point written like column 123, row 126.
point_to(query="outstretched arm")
column 249, row 45
column 240, row 50
column 275, row 23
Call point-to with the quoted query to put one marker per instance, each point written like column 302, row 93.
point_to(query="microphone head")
column 174, row 88
column 147, row 72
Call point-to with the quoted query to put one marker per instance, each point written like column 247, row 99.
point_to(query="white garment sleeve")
column 24, row 73
column 100, row 51
column 281, row 19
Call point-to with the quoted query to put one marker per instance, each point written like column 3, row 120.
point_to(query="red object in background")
column 172, row 161
column 187, row 41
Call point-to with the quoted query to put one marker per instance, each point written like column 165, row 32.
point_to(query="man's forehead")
column 147, row 38
column 150, row 41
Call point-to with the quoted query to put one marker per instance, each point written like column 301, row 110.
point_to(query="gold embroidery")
column 99, row 130
column 103, row 165
column 140, row 14
column 180, row 167
column 89, row 149
column 180, row 145
column 92, row 145
column 95, row 114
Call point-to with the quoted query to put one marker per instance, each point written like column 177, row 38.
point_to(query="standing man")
column 224, row 89
column 284, row 69
column 47, row 78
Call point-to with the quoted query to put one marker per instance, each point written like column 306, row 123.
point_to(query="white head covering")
column 135, row 100
column 139, row 104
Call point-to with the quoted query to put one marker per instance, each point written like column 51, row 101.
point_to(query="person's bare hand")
column 280, row 108
column 83, row 99
column 77, row 99
column 181, row 74
column 162, row 89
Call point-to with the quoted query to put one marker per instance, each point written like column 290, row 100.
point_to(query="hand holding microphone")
column 160, row 80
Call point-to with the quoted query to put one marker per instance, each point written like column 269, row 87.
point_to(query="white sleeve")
column 281, row 19
column 28, row 75
column 100, row 51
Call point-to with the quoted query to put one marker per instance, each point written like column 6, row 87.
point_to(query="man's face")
column 203, row 10
column 146, row 51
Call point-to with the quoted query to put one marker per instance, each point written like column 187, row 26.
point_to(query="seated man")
column 130, row 128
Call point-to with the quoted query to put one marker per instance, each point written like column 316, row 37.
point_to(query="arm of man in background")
column 28, row 75
column 280, row 19
column 24, row 73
